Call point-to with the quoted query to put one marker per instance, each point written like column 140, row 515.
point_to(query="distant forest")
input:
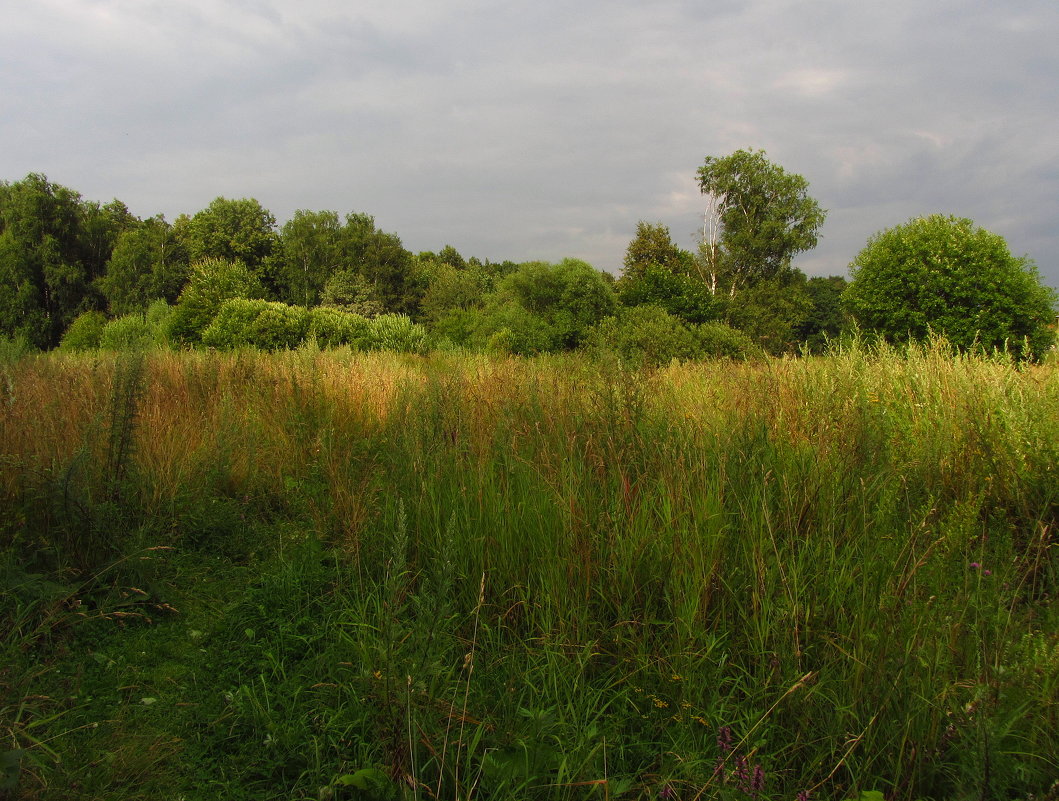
column 80, row 274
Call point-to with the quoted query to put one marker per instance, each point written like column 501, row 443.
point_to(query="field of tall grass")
column 333, row 575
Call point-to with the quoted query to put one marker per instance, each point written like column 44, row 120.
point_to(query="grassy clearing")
column 310, row 575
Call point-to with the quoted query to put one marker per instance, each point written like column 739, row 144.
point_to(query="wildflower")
column 757, row 780
column 724, row 739
column 667, row 792
column 975, row 565
column 742, row 774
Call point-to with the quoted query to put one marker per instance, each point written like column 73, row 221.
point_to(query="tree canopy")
column 759, row 216
column 946, row 275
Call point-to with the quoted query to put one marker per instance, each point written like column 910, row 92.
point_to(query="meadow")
column 328, row 575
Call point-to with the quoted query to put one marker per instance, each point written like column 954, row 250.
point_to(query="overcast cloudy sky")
column 534, row 129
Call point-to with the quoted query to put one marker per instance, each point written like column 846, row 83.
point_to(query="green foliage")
column 331, row 328
column 129, row 332
column 349, row 265
column 645, row 335
column 543, row 307
column 680, row 294
column 84, row 332
column 148, row 262
column 653, row 247
column 211, row 283
column 453, row 289
column 826, row 319
column 351, row 292
column 231, row 230
column 278, row 327
column 771, row 311
column 721, row 341
column 381, row 260
column 310, row 248
column 48, row 260
column 397, row 332
column 946, row 275
column 763, row 216
column 242, row 322
column 157, row 314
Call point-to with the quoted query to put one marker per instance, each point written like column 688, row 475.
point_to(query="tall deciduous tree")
column 310, row 251
column 653, row 246
column 232, row 230
column 46, row 266
column 946, row 275
column 380, row 258
column 758, row 217
column 148, row 263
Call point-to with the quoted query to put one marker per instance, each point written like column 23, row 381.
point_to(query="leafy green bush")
column 546, row 307
column 84, row 332
column 397, row 332
column 257, row 323
column 332, row 327
column 944, row 275
column 129, row 332
column 14, row 348
column 228, row 329
column 158, row 313
column 278, row 327
column 720, row 341
column 511, row 328
column 212, row 282
column 647, row 335
column 681, row 295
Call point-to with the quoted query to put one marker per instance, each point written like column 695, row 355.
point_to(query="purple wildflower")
column 742, row 775
column 724, row 739
column 757, row 781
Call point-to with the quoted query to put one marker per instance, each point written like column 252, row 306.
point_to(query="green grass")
column 338, row 575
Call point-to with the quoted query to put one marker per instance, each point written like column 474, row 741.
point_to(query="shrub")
column 647, row 335
column 129, row 332
column 212, row 282
column 945, row 275
column 331, row 327
column 510, row 328
column 157, row 314
column 278, row 327
column 397, row 332
column 720, row 341
column 84, row 332
column 258, row 323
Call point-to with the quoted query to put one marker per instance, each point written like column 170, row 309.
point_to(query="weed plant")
column 370, row 575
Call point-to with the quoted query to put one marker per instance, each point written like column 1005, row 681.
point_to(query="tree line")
column 228, row 275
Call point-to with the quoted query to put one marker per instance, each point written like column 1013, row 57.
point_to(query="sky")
column 534, row 129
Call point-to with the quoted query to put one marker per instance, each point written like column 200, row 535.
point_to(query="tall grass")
column 466, row 577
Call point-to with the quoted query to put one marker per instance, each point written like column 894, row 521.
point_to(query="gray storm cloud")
column 539, row 130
